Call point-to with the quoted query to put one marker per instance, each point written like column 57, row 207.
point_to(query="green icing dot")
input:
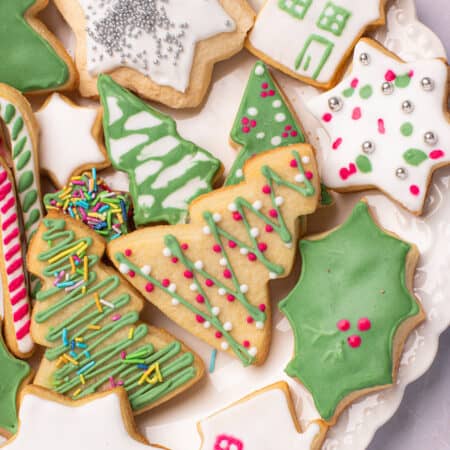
column 10, row 111
column 25, row 181
column 403, row 81
column 407, row 129
column 33, row 217
column 17, row 128
column 29, row 200
column 23, row 160
column 348, row 92
column 19, row 147
column 364, row 164
column 366, row 92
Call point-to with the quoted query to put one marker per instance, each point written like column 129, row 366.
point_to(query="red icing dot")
column 253, row 123
column 364, row 324
column 132, row 273
column 216, row 248
column 271, row 93
column 188, row 274
column 165, row 282
column 336, row 143
column 436, row 154
column 284, row 134
column 411, row 73
column 262, row 307
column 262, row 246
column 293, row 163
column 354, row 83
column 390, row 76
column 381, row 127
column 149, row 287
column 245, row 120
column 218, row 334
column 327, row 117
column 269, row 228
column 237, row 216
column 200, row 298
column 294, row 133
column 128, row 252
column 265, row 85
column 199, row 318
column 231, row 298
column 250, row 319
column 354, row 341
column 309, row 175
column 288, row 127
column 343, row 325
column 273, row 213
column 227, row 273
column 246, row 129
column 266, row 189
column 184, row 246
column 251, row 257
column 209, row 282
column 174, row 259
column 232, row 244
column 246, row 344
column 263, row 94
column 356, row 114
column 414, row 189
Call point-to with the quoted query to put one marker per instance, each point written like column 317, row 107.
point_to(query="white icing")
column 146, row 200
column 141, row 121
column 178, row 198
column 161, row 147
column 146, row 170
column 205, row 18
column 282, row 37
column 95, row 425
column 273, row 430
column 115, row 113
column 428, row 115
column 66, row 138
column 121, row 146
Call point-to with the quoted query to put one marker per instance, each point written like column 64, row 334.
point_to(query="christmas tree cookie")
column 264, row 121
column 388, row 126
column 14, row 374
column 211, row 276
column 88, row 318
column 166, row 172
column 32, row 58
column 351, row 311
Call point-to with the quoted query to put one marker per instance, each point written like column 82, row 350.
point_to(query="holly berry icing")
column 387, row 125
column 346, row 310
column 263, row 121
column 209, row 276
column 166, row 172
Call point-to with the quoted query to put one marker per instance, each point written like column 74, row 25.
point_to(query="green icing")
column 99, row 356
column 166, row 172
column 366, row 92
column 354, row 272
column 407, row 129
column 403, row 81
column 364, row 164
column 256, row 128
column 13, row 373
column 26, row 179
column 414, row 156
column 29, row 62
column 347, row 93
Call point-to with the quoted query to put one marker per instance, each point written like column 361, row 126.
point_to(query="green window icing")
column 296, row 8
column 334, row 19
column 166, row 172
column 29, row 62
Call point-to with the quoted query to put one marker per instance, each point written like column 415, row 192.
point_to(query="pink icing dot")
column 232, row 244
column 262, row 246
column 343, row 325
column 218, row 334
column 265, row 85
column 237, row 216
column 217, row 248
column 262, row 307
column 327, row 117
column 251, row 257
column 414, row 189
column 245, row 129
column 128, row 252
column 356, row 114
column 284, row 134
column 199, row 318
column 250, row 319
column 294, row 133
column 364, row 324
column 231, row 298
column 246, row 344
column 309, row 175
column 188, row 274
column 390, row 76
column 200, row 298
column 264, row 94
column 184, row 246
column 411, row 73
column 165, row 282
column 288, row 127
column 132, row 273
column 354, row 341
column 253, row 123
column 245, row 121
column 209, row 282
column 271, row 93
column 293, row 163
column 354, row 83
column 266, row 189
column 174, row 259
column 227, row 273
column 381, row 127
column 149, row 287
column 269, row 228
column 436, row 154
column 273, row 213
column 336, row 143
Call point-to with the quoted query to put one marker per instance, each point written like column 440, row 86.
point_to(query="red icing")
column 354, row 341
column 224, row 442
column 294, row 133
column 209, row 282
column 149, row 287
column 250, row 319
column 262, row 246
column 411, row 73
column 309, row 175
column 343, row 325
column 251, row 257
column 346, row 172
column 364, row 324
column 266, row 189
column 132, row 273
column 246, row 344
column 231, row 298
column 200, row 298
column 288, row 127
column 436, row 154
column 188, row 274
column 218, row 334
column 165, row 282
column 128, row 252
column 273, row 213
column 232, row 244
column 245, row 121
column 337, row 143
column 356, row 114
column 262, row 307
column 381, row 128
column 184, row 246
column 227, row 273
column 199, row 319
column 269, row 228
column 246, row 129
column 327, row 117
column 265, row 85
column 354, row 83
column 390, row 76
column 293, row 163
column 414, row 189
column 237, row 216
column 217, row 248
column 174, row 259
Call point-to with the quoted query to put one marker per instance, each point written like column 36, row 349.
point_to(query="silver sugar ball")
column 368, row 147
column 401, row 173
column 430, row 138
column 364, row 59
column 387, row 88
column 335, row 104
column 407, row 106
column 427, row 84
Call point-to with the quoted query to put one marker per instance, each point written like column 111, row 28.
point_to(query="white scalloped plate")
column 174, row 425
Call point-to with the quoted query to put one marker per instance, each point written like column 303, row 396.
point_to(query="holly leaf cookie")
column 14, row 375
column 234, row 428
column 388, row 126
column 71, row 139
column 166, row 172
column 163, row 50
column 311, row 39
column 211, row 276
column 88, row 318
column 33, row 60
column 102, row 422
column 351, row 311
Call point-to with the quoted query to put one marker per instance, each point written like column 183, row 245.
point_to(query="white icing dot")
column 193, row 287
column 259, row 325
column 172, row 287
column 217, row 217
column 306, row 159
column 146, row 270
column 223, row 262
column 233, row 447
column 280, row 117
column 207, row 324
column 273, row 275
column 260, row 135
column 215, row 310
column 239, row 173
column 299, row 178
column 227, row 326
column 252, row 111
column 206, row 230
column 257, row 204
column 276, row 140
column 198, row 265
column 175, row 302
column 253, row 351
column 243, row 251
column 288, row 244
column 123, row 268
column 167, row 252
column 276, row 103
column 232, row 207
column 279, row 201
column 254, row 232
column 259, row 70
column 224, row 345
column 222, row 291
column 243, row 288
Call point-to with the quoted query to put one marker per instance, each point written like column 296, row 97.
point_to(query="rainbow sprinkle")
column 89, row 199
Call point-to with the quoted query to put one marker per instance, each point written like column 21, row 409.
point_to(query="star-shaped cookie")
column 33, row 60
column 388, row 126
column 71, row 139
column 164, row 50
column 351, row 311
column 50, row 421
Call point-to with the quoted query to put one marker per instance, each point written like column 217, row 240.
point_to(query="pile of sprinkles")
column 88, row 198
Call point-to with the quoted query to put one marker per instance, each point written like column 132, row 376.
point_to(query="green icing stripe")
column 10, row 111
column 23, row 160
column 26, row 179
column 18, row 147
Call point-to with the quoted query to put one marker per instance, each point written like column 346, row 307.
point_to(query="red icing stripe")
column 9, row 204
column 21, row 312
column 24, row 331
column 14, row 233
column 12, row 251
column 10, row 220
column 3, row 176
column 5, row 190
column 16, row 283
column 14, row 266
column 19, row 296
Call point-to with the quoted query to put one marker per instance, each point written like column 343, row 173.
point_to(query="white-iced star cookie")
column 388, row 126
column 50, row 421
column 163, row 49
column 71, row 139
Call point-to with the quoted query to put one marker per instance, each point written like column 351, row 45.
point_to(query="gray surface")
column 423, row 419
